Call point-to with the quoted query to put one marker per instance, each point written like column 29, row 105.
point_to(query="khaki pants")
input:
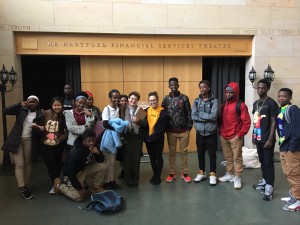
column 232, row 150
column 290, row 162
column 95, row 169
column 22, row 161
column 183, row 139
column 110, row 163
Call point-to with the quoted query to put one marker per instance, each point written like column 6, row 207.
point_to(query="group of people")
column 67, row 141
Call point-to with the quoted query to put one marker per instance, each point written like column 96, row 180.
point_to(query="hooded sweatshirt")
column 231, row 123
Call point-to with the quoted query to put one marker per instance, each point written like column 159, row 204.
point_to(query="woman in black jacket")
column 154, row 136
column 22, row 140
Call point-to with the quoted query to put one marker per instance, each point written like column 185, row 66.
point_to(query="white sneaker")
column 295, row 206
column 237, row 182
column 200, row 176
column 285, row 199
column 226, row 178
column 212, row 179
column 52, row 192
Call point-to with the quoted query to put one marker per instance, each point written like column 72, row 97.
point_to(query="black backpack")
column 237, row 107
column 106, row 202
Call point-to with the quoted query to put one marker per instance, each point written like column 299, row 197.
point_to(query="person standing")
column 119, row 156
column 23, row 139
column 265, row 111
column 133, row 141
column 111, row 111
column 79, row 118
column 179, row 125
column 289, row 140
column 232, row 130
column 205, row 112
column 68, row 99
column 54, row 135
column 94, row 109
column 154, row 136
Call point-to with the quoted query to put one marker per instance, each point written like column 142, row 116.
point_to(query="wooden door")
column 143, row 74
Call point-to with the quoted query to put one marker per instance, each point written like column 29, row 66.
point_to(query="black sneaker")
column 122, row 174
column 26, row 194
column 114, row 185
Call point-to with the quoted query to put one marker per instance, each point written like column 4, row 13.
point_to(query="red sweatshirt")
column 231, row 124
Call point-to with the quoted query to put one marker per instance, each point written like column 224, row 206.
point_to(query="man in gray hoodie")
column 205, row 112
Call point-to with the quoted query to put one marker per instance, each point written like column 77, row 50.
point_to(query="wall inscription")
column 131, row 45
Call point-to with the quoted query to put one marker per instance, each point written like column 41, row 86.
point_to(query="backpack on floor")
column 106, row 202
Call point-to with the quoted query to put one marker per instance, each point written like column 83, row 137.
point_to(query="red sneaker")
column 186, row 177
column 170, row 178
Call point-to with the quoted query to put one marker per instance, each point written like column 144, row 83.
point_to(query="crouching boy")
column 84, row 161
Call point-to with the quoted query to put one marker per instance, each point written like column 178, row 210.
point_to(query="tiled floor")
column 176, row 203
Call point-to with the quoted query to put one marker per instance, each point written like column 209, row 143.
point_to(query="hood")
column 236, row 90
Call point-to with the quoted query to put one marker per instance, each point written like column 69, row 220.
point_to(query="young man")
column 179, row 125
column 265, row 111
column 232, row 130
column 85, row 160
column 205, row 112
column 289, row 140
column 68, row 99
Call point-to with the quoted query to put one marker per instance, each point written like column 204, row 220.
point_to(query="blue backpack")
column 106, row 202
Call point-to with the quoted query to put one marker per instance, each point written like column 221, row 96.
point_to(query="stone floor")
column 177, row 203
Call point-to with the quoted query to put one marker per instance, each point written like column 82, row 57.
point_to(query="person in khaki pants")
column 85, row 160
column 179, row 125
column 289, row 140
column 232, row 130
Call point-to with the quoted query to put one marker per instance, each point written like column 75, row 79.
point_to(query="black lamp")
column 268, row 75
column 10, row 77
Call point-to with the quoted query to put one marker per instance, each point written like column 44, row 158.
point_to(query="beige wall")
column 274, row 23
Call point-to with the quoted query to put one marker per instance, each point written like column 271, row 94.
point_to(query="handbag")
column 99, row 130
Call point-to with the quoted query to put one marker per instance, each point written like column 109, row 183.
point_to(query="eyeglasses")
column 152, row 100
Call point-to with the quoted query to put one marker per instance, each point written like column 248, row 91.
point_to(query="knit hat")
column 229, row 89
column 89, row 93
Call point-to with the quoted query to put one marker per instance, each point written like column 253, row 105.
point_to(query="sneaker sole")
column 170, row 181
column 199, row 180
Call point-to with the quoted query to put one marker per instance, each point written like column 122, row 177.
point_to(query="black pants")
column 52, row 156
column 155, row 150
column 266, row 159
column 132, row 155
column 208, row 143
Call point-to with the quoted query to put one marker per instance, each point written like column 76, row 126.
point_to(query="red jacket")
column 231, row 123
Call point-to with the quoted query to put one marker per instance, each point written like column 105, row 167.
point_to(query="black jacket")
column 159, row 128
column 76, row 161
column 14, row 138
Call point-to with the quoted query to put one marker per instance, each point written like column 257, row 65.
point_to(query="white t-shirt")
column 110, row 113
column 27, row 124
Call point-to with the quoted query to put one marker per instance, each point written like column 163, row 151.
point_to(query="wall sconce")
column 268, row 75
column 10, row 77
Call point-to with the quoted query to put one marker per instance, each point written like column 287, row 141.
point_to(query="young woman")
column 79, row 118
column 119, row 156
column 22, row 140
column 133, row 142
column 154, row 136
column 90, row 105
column 53, row 139
column 111, row 111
